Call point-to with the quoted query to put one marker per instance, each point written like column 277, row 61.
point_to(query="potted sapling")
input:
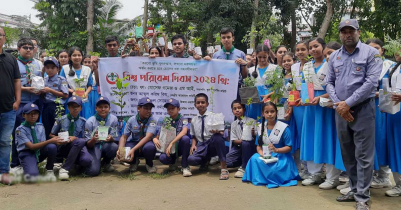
column 80, row 89
column 249, row 91
column 275, row 80
column 59, row 113
column 197, row 42
column 167, row 135
column 216, row 120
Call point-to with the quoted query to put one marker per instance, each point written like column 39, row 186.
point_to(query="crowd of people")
column 350, row 138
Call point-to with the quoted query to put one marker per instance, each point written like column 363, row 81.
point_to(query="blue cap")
column 75, row 99
column 145, row 100
column 52, row 60
column 103, row 99
column 28, row 108
column 173, row 102
column 353, row 23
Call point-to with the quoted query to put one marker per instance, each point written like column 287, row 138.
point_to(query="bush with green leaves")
column 393, row 47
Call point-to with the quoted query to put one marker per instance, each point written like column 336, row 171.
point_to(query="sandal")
column 224, row 174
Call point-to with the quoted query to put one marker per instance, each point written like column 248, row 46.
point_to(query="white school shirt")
column 196, row 127
column 261, row 80
column 236, row 131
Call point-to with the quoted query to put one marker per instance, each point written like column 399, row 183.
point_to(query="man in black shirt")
column 10, row 98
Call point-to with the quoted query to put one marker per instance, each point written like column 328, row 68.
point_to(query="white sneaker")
column 186, row 172
column 214, row 160
column 329, row 184
column 56, row 167
column 395, row 192
column 344, row 178
column 50, row 175
column 345, row 185
column 313, row 179
column 108, row 168
column 134, row 167
column 17, row 171
column 379, row 183
column 151, row 169
column 345, row 190
column 239, row 173
column 63, row 174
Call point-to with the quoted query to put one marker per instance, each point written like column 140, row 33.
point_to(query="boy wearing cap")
column 55, row 86
column 75, row 150
column 32, row 145
column 143, row 128
column 181, row 126
column 101, row 149
column 206, row 143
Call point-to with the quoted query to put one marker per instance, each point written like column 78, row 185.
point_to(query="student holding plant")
column 319, row 142
column 78, row 76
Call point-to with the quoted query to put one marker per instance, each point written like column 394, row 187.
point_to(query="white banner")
column 163, row 78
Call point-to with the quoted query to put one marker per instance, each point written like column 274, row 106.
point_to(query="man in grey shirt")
column 351, row 80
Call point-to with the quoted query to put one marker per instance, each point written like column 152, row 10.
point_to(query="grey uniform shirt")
column 63, row 123
column 196, row 127
column 23, row 135
column 352, row 77
column 92, row 125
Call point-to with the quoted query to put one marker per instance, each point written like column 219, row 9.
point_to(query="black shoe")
column 349, row 197
column 361, row 206
column 204, row 167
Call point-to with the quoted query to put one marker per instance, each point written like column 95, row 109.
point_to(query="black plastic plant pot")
column 249, row 92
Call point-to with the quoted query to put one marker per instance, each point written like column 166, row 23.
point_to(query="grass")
column 158, row 176
column 129, row 176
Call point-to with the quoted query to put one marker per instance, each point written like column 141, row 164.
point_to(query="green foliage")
column 122, row 91
column 197, row 41
column 79, row 81
column 59, row 108
column 167, row 122
column 249, row 82
column 392, row 47
column 275, row 80
column 269, row 29
column 249, row 101
column 12, row 35
column 97, row 54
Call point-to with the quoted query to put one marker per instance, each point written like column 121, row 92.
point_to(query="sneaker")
column 63, row 174
column 134, row 167
column 344, row 178
column 151, row 169
column 379, row 183
column 395, row 192
column 17, row 170
column 343, row 186
column 51, row 176
column 239, row 173
column 214, row 160
column 313, row 179
column 361, row 206
column 329, row 184
column 345, row 190
column 108, row 168
column 304, row 174
column 346, row 198
column 186, row 172
column 56, row 167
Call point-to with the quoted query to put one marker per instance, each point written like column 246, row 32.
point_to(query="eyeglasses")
column 27, row 48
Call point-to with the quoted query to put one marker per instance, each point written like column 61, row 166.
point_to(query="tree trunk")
column 145, row 17
column 89, row 26
column 353, row 13
column 293, row 27
column 254, row 21
column 326, row 20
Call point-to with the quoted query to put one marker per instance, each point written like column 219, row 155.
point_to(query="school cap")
column 350, row 22
column 145, row 100
column 103, row 99
column 28, row 108
column 52, row 60
column 173, row 102
column 75, row 99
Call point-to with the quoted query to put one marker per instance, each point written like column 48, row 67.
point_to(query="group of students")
column 305, row 142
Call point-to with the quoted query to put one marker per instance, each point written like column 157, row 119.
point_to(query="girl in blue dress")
column 381, row 177
column 319, row 142
column 259, row 72
column 75, row 70
column 284, row 172
column 301, row 52
column 288, row 60
column 93, row 95
column 393, row 131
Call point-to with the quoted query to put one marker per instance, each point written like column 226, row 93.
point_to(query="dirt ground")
column 121, row 190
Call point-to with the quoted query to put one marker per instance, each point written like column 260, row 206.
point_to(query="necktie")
column 203, row 127
column 71, row 128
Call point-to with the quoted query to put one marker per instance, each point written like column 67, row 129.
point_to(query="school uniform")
column 26, row 98
column 105, row 150
column 84, row 72
column 291, row 123
column 35, row 134
column 94, row 94
column 57, row 83
column 319, row 142
column 76, row 151
column 254, row 110
column 282, row 173
column 138, row 128
column 298, row 111
column 208, row 144
column 239, row 155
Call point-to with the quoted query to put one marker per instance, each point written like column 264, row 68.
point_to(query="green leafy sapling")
column 120, row 93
